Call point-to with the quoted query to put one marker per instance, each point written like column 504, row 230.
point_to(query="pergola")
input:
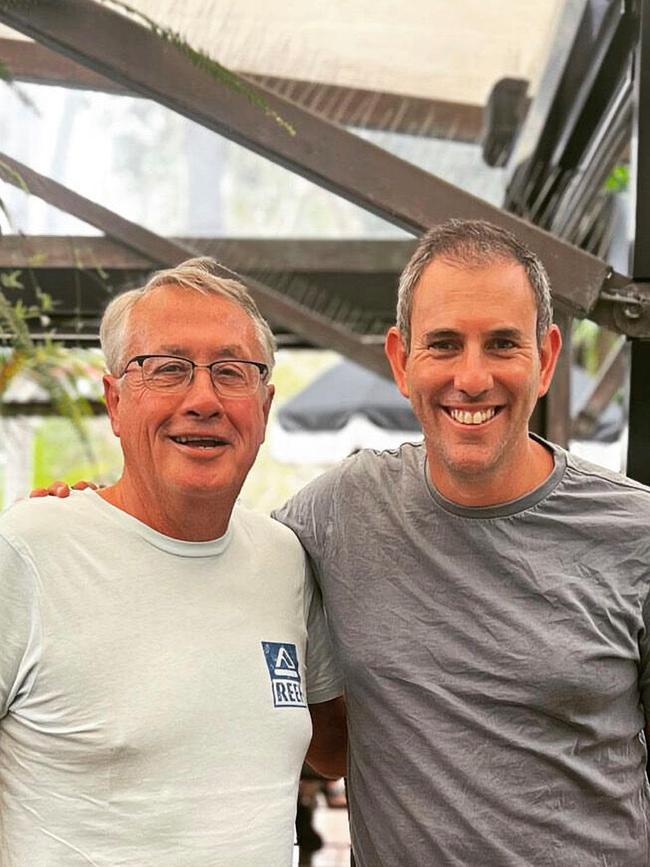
column 590, row 109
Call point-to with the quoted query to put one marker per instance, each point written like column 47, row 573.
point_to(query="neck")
column 492, row 488
column 192, row 517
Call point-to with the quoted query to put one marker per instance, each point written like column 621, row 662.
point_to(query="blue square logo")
column 284, row 671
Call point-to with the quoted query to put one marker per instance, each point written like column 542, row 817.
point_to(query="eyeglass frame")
column 262, row 367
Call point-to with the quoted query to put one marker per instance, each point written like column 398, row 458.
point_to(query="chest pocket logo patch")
column 282, row 662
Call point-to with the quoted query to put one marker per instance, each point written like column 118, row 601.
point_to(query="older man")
column 159, row 643
column 488, row 593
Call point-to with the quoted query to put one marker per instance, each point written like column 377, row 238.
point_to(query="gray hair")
column 195, row 275
column 472, row 242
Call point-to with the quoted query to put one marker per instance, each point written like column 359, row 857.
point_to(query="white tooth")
column 467, row 417
column 476, row 418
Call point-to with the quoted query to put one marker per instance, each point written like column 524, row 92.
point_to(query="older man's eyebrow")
column 231, row 351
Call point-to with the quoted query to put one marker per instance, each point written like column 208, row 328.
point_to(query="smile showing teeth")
column 200, row 442
column 478, row 417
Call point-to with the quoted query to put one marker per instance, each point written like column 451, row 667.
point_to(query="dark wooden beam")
column 243, row 254
column 350, row 106
column 638, row 447
column 45, row 408
column 394, row 189
column 358, row 277
column 317, row 327
column 135, row 237
column 33, row 63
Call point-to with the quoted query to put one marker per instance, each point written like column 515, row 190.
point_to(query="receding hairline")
column 187, row 291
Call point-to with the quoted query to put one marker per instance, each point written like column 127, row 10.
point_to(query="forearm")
column 327, row 753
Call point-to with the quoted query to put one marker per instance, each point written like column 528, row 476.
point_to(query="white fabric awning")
column 427, row 48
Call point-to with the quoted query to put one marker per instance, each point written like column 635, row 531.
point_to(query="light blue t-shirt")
column 153, row 691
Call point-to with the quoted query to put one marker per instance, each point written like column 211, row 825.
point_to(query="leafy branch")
column 47, row 364
column 204, row 62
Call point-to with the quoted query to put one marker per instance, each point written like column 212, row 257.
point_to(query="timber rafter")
column 399, row 192
column 318, row 327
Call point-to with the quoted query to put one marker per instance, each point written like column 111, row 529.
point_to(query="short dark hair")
column 472, row 242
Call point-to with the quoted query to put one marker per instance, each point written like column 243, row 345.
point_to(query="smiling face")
column 473, row 374
column 188, row 443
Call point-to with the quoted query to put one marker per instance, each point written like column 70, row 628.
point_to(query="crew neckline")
column 511, row 507
column 180, row 547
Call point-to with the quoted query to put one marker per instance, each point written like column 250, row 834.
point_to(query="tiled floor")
column 332, row 825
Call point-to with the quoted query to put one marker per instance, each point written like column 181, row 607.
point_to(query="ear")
column 549, row 354
column 266, row 406
column 397, row 358
column 112, row 398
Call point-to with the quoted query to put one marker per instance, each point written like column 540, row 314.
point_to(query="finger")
column 81, row 485
column 58, row 489
column 38, row 492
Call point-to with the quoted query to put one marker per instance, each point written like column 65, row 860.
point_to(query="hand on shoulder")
column 62, row 489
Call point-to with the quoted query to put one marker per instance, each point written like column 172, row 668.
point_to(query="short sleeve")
column 309, row 514
column 18, row 626
column 324, row 681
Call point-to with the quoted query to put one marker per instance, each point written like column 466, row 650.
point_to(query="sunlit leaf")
column 11, row 280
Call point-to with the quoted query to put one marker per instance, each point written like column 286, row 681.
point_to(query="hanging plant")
column 48, row 364
column 199, row 58
column 204, row 62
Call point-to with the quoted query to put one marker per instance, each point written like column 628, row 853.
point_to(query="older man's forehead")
column 207, row 324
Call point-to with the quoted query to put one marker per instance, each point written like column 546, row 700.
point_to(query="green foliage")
column 584, row 340
column 18, row 179
column 58, row 455
column 47, row 364
column 11, row 280
column 618, row 180
column 207, row 64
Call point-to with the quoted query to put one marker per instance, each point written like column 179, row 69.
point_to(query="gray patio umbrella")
column 345, row 391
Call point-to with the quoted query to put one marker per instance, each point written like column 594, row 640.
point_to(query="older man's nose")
column 201, row 396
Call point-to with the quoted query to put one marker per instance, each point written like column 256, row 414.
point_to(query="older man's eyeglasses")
column 231, row 377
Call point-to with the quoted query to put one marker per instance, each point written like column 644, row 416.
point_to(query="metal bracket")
column 630, row 307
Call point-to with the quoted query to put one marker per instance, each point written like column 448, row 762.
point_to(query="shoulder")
column 263, row 529
column 43, row 520
column 37, row 513
column 595, row 478
column 363, row 473
column 606, row 497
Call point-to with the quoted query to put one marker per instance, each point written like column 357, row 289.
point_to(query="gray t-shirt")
column 496, row 663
